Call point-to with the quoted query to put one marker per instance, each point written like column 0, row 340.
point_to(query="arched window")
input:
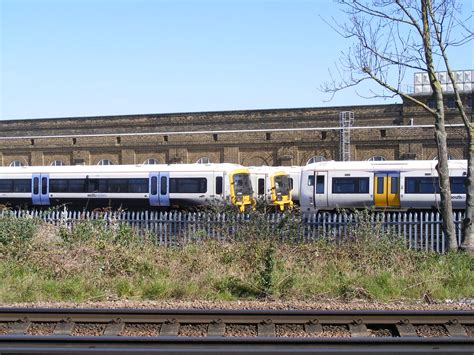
column 203, row 160
column 376, row 158
column 16, row 163
column 151, row 161
column 450, row 157
column 105, row 162
column 57, row 163
column 315, row 159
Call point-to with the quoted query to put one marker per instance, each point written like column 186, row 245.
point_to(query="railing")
column 421, row 230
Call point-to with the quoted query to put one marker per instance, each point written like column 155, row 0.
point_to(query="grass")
column 39, row 262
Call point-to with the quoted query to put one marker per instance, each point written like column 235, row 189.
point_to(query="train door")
column 387, row 189
column 159, row 189
column 320, row 189
column 261, row 186
column 40, row 189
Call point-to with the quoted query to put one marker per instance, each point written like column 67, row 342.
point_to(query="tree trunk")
column 467, row 229
column 443, row 176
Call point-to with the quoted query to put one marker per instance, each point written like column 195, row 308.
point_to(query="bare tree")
column 395, row 38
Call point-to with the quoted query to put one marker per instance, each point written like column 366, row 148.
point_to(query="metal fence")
column 421, row 230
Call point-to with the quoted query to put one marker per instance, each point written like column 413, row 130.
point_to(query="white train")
column 127, row 186
column 272, row 185
column 319, row 186
column 383, row 185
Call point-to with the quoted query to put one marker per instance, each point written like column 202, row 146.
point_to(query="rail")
column 236, row 331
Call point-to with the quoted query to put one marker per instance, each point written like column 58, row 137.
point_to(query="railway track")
column 36, row 330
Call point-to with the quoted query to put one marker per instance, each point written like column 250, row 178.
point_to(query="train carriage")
column 126, row 186
column 385, row 185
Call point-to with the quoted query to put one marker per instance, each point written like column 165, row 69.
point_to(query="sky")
column 71, row 58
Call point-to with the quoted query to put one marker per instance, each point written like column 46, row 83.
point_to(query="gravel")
column 269, row 305
column 290, row 330
column 427, row 331
column 193, row 330
column 240, row 330
column 135, row 329
column 4, row 328
column 335, row 331
column 380, row 332
column 469, row 330
column 38, row 328
column 88, row 329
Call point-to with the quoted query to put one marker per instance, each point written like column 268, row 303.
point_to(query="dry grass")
column 96, row 262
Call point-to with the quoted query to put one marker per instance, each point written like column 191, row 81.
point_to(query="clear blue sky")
column 63, row 58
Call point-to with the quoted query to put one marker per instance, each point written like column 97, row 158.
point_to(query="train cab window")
column 261, row 187
column 350, row 185
column 164, row 185
column 218, row 185
column 380, row 184
column 290, row 181
column 154, row 188
column 458, row 185
column 311, row 180
column 421, row 185
column 187, row 185
column 320, row 184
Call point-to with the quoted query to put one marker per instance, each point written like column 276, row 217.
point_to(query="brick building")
column 250, row 137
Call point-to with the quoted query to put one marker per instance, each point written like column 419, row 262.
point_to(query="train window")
column 311, row 180
column 115, row 185
column 458, row 185
column 36, row 186
column 67, row 185
column 137, row 186
column 122, row 185
column 154, row 187
column 261, row 187
column 394, row 185
column 290, row 181
column 15, row 185
column 320, row 184
column 218, row 185
column 6, row 185
column 380, row 186
column 188, row 185
column 44, row 185
column 421, row 185
column 350, row 185
column 164, row 185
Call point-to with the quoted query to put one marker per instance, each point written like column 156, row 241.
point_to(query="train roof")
column 121, row 168
column 384, row 165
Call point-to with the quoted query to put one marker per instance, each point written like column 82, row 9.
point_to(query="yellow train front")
column 273, row 186
column 240, row 188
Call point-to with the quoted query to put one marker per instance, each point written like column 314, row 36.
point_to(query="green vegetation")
column 97, row 261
